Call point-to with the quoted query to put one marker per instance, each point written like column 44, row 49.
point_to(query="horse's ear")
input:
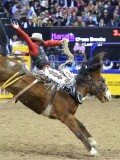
column 95, row 67
column 97, row 59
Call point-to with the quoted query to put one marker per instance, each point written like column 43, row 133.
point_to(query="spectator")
column 97, row 9
column 66, row 19
column 79, row 23
column 14, row 40
column 43, row 2
column 50, row 23
column 95, row 17
column 101, row 23
column 71, row 3
column 84, row 18
column 25, row 1
column 78, row 13
column 87, row 13
column 59, row 22
column 106, row 16
column 52, row 2
column 29, row 11
column 109, row 7
column 79, row 52
column 44, row 18
column 81, row 6
column 61, row 3
column 90, row 22
column 117, row 9
column 116, row 17
column 53, row 9
column 16, row 10
column 29, row 23
column 23, row 8
column 112, row 23
column 100, row 7
column 45, row 8
column 35, row 7
column 90, row 6
column 73, row 18
column 39, row 22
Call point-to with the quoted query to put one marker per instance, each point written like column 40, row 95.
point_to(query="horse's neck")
column 84, row 89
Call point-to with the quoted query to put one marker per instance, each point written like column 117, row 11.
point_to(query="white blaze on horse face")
column 47, row 111
column 108, row 95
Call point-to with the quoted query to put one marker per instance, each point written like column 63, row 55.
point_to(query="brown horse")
column 63, row 106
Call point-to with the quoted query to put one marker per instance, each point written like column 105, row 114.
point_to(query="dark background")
column 112, row 49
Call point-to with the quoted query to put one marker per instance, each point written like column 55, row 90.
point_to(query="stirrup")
column 80, row 98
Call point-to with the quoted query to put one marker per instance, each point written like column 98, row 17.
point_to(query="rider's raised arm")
column 32, row 46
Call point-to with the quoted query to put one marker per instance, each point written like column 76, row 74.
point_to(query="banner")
column 113, row 83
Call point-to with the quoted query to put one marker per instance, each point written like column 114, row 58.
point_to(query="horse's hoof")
column 93, row 152
column 92, row 142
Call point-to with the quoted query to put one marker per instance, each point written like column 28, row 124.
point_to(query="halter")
column 98, row 88
column 93, row 83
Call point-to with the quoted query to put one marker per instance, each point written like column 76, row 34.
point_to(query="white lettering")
column 91, row 39
column 81, row 39
column 100, row 39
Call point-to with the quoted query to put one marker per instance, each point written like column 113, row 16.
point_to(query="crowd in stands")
column 77, row 13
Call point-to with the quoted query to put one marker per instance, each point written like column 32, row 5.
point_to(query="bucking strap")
column 13, row 79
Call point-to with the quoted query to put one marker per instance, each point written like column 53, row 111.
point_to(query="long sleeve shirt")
column 33, row 47
column 80, row 49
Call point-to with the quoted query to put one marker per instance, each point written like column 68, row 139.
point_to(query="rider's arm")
column 33, row 48
column 52, row 43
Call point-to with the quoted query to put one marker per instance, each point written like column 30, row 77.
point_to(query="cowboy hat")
column 37, row 36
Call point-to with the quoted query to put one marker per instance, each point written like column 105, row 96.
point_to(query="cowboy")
column 38, row 55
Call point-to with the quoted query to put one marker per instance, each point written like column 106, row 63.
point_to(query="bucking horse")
column 39, row 96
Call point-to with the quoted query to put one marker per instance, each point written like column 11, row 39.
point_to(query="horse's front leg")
column 89, row 137
column 70, row 121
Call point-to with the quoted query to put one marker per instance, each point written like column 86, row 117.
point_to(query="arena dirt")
column 24, row 135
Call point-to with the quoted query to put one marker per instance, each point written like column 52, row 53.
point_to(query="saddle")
column 64, row 81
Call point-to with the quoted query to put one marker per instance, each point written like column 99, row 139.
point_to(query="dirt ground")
column 24, row 135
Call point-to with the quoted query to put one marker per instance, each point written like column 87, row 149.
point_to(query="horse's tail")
column 3, row 40
column 68, row 53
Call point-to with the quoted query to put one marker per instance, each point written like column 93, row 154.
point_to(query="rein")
column 85, row 79
column 22, row 91
column 100, row 89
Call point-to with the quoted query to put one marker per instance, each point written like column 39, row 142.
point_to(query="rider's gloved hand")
column 64, row 40
column 15, row 24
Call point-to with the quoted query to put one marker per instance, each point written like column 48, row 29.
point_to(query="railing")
column 101, row 44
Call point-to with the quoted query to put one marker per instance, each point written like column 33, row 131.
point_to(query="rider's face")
column 37, row 42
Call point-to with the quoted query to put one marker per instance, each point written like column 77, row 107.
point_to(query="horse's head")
column 91, row 79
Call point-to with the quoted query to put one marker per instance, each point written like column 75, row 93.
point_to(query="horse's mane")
column 90, row 66
column 97, row 59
